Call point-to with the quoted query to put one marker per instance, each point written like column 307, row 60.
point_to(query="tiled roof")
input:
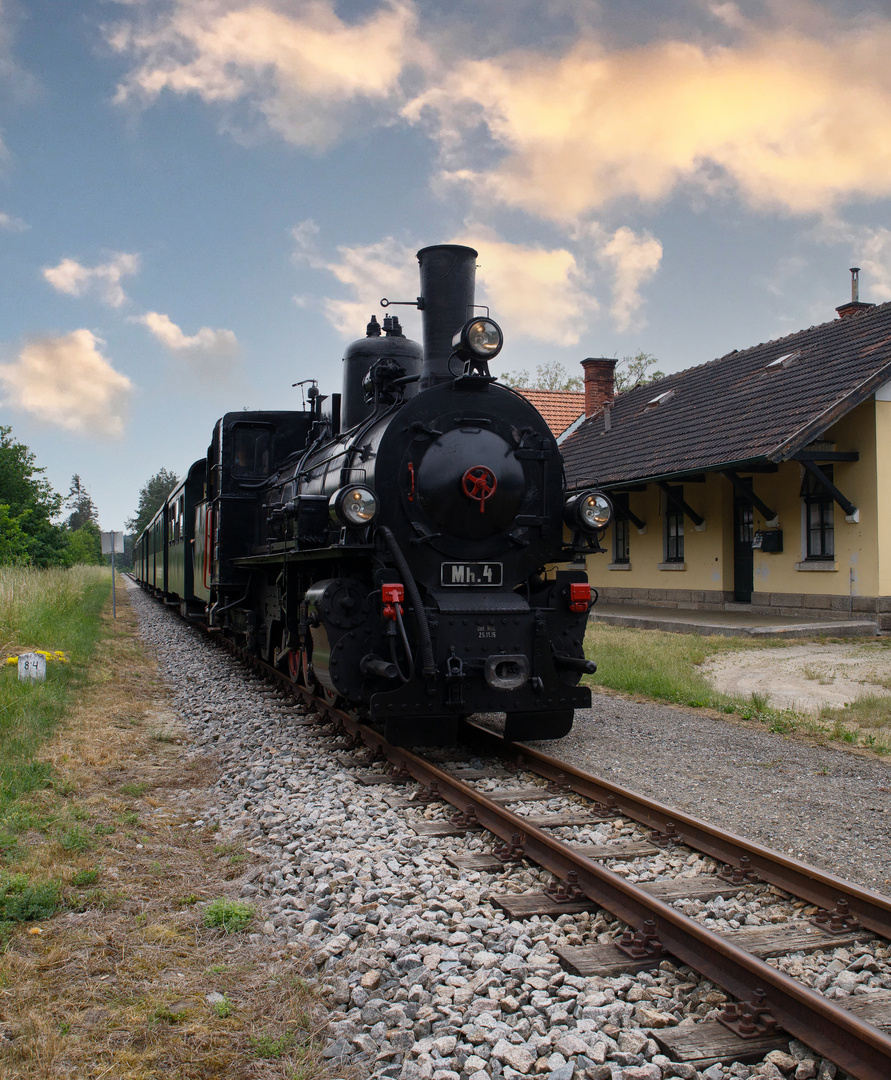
column 737, row 408
column 560, row 408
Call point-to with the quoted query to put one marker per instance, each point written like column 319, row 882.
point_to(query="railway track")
column 830, row 913
column 826, row 912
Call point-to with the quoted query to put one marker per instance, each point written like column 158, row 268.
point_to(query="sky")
column 202, row 202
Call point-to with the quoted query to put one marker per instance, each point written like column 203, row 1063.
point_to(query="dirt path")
column 805, row 677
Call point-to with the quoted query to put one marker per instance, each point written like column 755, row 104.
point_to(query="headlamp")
column 479, row 339
column 591, row 511
column 353, row 506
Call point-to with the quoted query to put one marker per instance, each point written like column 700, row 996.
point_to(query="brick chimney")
column 599, row 383
column 855, row 307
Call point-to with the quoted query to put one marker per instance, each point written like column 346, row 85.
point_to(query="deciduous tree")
column 151, row 499
column 636, row 371
column 548, row 376
column 30, row 506
column 85, row 545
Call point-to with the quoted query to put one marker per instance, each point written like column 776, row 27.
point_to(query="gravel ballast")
column 425, row 978
column 821, row 804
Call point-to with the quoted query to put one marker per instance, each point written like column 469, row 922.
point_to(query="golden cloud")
column 299, row 70
column 633, row 259
column 539, row 293
column 789, row 122
column 370, row 272
column 67, row 381
column 534, row 292
column 207, row 342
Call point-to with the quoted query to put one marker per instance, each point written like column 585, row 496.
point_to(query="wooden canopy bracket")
column 745, row 492
column 679, row 503
column 851, row 511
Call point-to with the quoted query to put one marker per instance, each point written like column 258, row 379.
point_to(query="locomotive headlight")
column 479, row 339
column 589, row 510
column 353, row 506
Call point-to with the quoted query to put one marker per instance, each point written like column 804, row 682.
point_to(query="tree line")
column 630, row 371
column 39, row 527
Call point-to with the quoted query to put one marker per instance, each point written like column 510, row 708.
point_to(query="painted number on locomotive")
column 471, row 573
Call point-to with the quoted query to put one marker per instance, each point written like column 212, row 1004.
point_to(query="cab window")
column 253, row 451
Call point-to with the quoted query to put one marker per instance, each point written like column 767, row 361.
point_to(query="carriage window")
column 253, row 451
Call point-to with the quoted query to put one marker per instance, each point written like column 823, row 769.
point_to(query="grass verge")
column 112, row 966
column 57, row 612
column 668, row 667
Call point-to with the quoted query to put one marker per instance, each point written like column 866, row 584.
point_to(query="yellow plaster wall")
column 704, row 552
column 856, row 544
column 883, row 494
column 862, row 565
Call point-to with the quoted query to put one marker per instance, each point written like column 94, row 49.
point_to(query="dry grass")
column 668, row 667
column 127, row 981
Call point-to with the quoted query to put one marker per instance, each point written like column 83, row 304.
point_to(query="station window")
column 674, row 528
column 621, row 531
column 819, row 517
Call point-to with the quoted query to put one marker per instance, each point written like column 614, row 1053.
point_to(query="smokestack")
column 599, row 383
column 855, row 306
column 448, row 276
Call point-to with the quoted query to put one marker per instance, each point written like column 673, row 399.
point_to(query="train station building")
column 760, row 481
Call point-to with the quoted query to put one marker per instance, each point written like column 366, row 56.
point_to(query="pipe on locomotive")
column 448, row 278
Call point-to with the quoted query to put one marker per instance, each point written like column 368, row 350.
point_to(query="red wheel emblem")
column 479, row 483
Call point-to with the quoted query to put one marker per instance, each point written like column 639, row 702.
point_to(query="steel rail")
column 858, row 1047
column 871, row 909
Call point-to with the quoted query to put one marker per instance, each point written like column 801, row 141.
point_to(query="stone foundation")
column 791, row 605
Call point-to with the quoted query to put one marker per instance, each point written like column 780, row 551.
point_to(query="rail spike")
column 750, row 1019
column 643, row 944
column 565, row 892
column 512, row 852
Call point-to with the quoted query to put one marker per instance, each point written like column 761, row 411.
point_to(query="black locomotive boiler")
column 397, row 548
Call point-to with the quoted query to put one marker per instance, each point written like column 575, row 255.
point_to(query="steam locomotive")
column 394, row 547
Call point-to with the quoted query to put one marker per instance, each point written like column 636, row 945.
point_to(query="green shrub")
column 230, row 915
column 21, row 900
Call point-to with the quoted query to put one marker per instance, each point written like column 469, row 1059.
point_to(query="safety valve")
column 392, row 597
column 579, row 596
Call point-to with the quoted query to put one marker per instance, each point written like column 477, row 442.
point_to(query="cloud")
column 545, row 294
column 67, row 381
column 633, row 260
column 369, row 272
column 207, row 343
column 540, row 293
column 869, row 247
column 73, row 278
column 301, row 71
column 786, row 121
column 11, row 224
